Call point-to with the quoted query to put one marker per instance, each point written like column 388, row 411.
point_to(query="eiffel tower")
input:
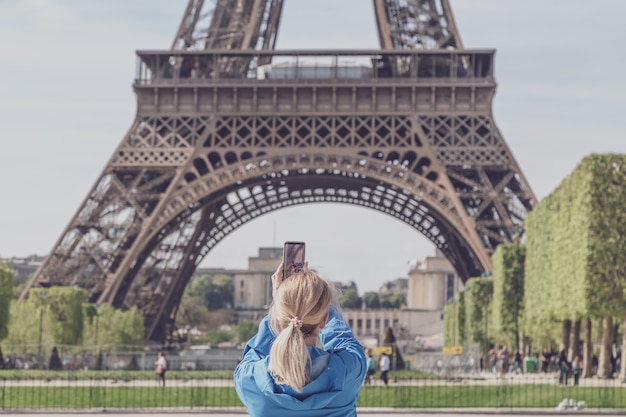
column 228, row 128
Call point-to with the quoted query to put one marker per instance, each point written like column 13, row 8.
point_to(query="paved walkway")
column 360, row 412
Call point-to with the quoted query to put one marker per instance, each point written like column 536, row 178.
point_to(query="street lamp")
column 516, row 287
column 42, row 295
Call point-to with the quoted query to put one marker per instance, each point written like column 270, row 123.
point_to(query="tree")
column 110, row 328
column 576, row 251
column 451, row 325
column 478, row 301
column 192, row 313
column 351, row 298
column 461, row 318
column 29, row 325
column 508, row 290
column 390, row 299
column 215, row 337
column 66, row 313
column 245, row 330
column 131, row 328
column 371, row 299
column 6, row 295
column 215, row 290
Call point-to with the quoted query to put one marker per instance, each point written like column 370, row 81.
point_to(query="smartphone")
column 293, row 258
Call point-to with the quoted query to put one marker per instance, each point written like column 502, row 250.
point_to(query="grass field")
column 207, row 389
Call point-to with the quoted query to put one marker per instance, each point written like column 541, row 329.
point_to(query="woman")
column 160, row 366
column 283, row 372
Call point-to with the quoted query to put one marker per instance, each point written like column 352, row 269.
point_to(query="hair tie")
column 295, row 322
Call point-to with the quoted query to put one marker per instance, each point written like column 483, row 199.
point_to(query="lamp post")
column 516, row 288
column 96, row 332
column 516, row 237
column 96, row 315
column 42, row 295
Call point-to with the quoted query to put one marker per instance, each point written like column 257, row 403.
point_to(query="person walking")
column 385, row 366
column 564, row 367
column 283, row 372
column 577, row 365
column 160, row 366
column 503, row 359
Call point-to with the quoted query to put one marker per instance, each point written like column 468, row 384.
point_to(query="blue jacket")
column 336, row 376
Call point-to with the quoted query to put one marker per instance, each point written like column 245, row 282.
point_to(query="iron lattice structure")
column 228, row 129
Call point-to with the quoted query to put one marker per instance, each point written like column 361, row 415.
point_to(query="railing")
column 448, row 387
column 208, row 67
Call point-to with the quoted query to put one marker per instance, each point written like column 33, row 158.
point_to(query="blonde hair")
column 300, row 305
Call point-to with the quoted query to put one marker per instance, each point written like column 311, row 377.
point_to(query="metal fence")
column 202, row 380
column 121, row 389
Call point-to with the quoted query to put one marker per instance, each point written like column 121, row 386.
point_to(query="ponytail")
column 289, row 358
column 300, row 306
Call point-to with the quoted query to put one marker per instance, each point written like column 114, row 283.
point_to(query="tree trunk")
column 565, row 335
column 574, row 349
column 588, row 350
column 526, row 345
column 604, row 361
column 622, row 371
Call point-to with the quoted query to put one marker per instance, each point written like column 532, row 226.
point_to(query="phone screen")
column 293, row 258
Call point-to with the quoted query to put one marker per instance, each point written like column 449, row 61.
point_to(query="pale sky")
column 66, row 102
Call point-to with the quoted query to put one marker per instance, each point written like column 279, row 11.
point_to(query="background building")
column 23, row 268
column 429, row 287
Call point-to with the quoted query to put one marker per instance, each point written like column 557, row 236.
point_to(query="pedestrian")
column 545, row 360
column 577, row 365
column 283, row 372
column 493, row 360
column 517, row 362
column 371, row 366
column 564, row 367
column 385, row 366
column 160, row 366
column 503, row 359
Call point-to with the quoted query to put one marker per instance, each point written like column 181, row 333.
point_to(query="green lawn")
column 207, row 389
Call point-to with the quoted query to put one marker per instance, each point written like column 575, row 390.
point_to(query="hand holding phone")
column 293, row 258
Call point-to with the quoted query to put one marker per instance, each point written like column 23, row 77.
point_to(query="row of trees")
column 566, row 284
column 371, row 299
column 59, row 316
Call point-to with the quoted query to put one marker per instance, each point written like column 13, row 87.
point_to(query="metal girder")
column 253, row 24
column 416, row 24
column 229, row 24
column 240, row 24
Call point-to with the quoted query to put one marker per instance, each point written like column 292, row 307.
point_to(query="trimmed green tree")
column 7, row 280
column 478, row 304
column 576, row 251
column 66, row 313
column 461, row 318
column 450, row 325
column 508, row 291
